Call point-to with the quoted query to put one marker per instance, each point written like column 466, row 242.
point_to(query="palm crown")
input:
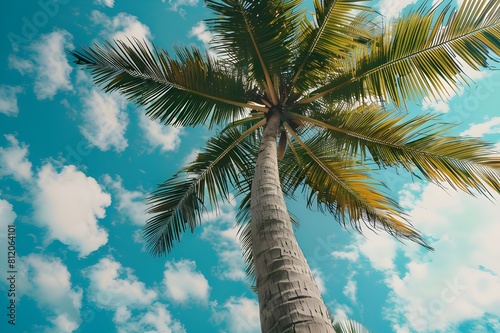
column 326, row 82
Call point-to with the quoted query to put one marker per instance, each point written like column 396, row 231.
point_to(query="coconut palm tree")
column 301, row 106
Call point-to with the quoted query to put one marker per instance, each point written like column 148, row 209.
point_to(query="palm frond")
column 417, row 144
column 179, row 202
column 190, row 90
column 256, row 35
column 422, row 54
column 343, row 189
column 337, row 30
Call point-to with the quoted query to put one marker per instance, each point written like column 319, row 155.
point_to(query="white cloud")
column 7, row 215
column 184, row 284
column 409, row 194
column 380, row 249
column 158, row 135
column 104, row 120
column 392, row 8
column 241, row 315
column 48, row 281
column 68, row 204
column 340, row 312
column 435, row 105
column 351, row 287
column 130, row 204
column 319, row 278
column 105, row 3
column 190, row 157
column 156, row 319
column 201, row 33
column 224, row 238
column 178, row 5
column 121, row 26
column 8, row 100
column 114, row 287
column 461, row 280
column 48, row 63
column 351, row 255
column 492, row 126
column 14, row 161
column 23, row 66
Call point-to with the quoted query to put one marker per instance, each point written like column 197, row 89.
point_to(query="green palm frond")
column 337, row 30
column 342, row 188
column 256, row 35
column 419, row 143
column 421, row 54
column 190, row 90
column 179, row 202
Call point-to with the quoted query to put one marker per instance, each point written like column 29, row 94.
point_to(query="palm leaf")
column 337, row 30
column 421, row 54
column 417, row 143
column 179, row 202
column 342, row 188
column 256, row 35
column 191, row 90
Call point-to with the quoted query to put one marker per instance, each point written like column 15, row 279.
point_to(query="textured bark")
column 289, row 299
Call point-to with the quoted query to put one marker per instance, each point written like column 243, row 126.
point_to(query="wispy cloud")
column 48, row 63
column 241, row 314
column 130, row 204
column 14, row 160
column 105, row 3
column 179, row 5
column 120, row 27
column 47, row 280
column 104, row 119
column 168, row 138
column 491, row 126
column 201, row 32
column 8, row 100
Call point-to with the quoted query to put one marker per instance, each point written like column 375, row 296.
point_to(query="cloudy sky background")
column 76, row 165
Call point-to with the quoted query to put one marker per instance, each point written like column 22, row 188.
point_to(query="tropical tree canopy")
column 325, row 78
column 328, row 81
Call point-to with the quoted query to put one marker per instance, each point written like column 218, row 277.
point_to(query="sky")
column 76, row 165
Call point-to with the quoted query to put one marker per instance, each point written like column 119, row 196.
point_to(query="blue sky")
column 76, row 165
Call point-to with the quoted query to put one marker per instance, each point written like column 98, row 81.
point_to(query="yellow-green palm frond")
column 423, row 54
column 189, row 90
column 179, row 202
column 256, row 36
column 339, row 26
column 420, row 144
column 342, row 188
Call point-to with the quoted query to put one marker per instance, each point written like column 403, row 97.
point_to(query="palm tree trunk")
column 289, row 299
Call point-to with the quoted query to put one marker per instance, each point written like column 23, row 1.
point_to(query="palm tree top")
column 325, row 80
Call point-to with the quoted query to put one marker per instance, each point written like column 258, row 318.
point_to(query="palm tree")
column 301, row 106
